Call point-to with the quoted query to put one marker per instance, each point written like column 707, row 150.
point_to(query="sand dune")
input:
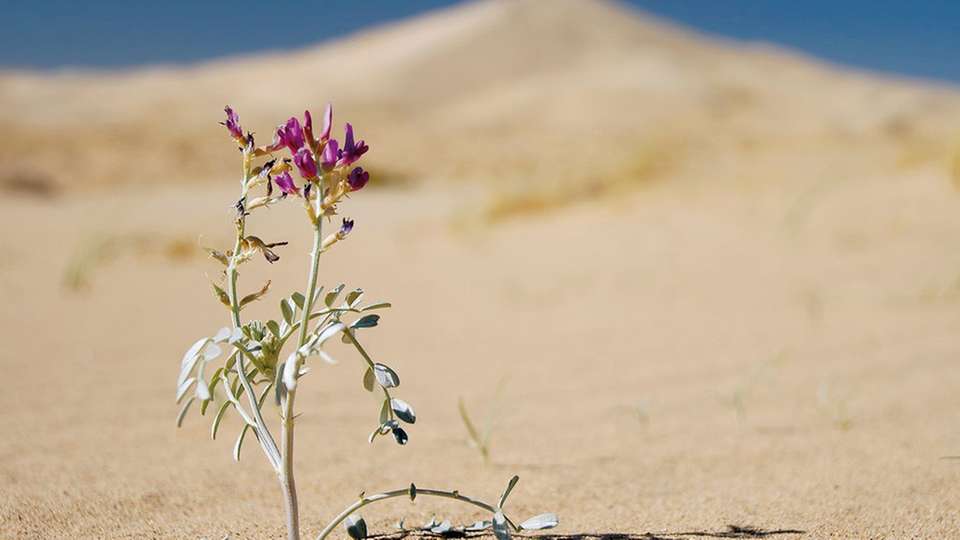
column 503, row 90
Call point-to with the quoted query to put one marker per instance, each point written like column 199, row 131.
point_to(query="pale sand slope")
column 693, row 356
column 496, row 90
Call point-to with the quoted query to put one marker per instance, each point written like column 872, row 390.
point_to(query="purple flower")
column 352, row 151
column 358, row 178
column 345, row 228
column 303, row 159
column 327, row 122
column 285, row 183
column 291, row 134
column 308, row 127
column 330, row 155
column 233, row 123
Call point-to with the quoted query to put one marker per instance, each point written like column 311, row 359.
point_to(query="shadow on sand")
column 732, row 531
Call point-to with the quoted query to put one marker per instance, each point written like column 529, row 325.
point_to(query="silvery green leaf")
column 478, row 526
column 274, row 328
column 403, row 410
column 190, row 359
column 356, row 527
column 211, row 351
column 400, row 435
column 500, row 528
column 442, row 528
column 506, row 492
column 331, row 296
column 328, row 332
column 204, row 405
column 413, row 492
column 298, row 299
column 543, row 521
column 235, row 336
column 387, row 377
column 222, row 335
column 203, row 391
column 368, row 380
column 384, row 412
column 371, row 307
column 353, row 296
column 290, row 372
column 367, row 321
column 239, row 444
column 286, row 311
column 184, row 386
column 218, row 418
column 325, row 356
column 183, row 411
column 278, row 388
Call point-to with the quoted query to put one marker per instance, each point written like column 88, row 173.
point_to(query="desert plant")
column 254, row 378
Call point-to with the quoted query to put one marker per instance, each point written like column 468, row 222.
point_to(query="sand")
column 754, row 336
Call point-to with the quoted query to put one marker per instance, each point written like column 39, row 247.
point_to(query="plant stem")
column 364, row 501
column 286, row 474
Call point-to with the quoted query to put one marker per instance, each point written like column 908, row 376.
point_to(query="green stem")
column 263, row 433
column 286, row 474
column 370, row 499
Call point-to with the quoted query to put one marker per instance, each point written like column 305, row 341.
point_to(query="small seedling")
column 251, row 375
column 480, row 439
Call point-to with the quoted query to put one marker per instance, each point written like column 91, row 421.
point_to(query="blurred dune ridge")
column 548, row 103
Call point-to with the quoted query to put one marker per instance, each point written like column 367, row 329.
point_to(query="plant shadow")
column 732, row 531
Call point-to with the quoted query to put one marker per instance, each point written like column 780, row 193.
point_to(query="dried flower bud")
column 233, row 124
column 330, row 155
column 303, row 159
column 358, row 178
column 351, row 151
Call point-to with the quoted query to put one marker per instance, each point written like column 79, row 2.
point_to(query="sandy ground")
column 713, row 289
column 688, row 357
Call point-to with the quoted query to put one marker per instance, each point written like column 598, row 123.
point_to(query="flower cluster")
column 327, row 170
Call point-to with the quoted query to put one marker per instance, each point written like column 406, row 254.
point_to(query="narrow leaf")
column 368, row 380
column 353, row 296
column 506, row 492
column 331, row 296
column 255, row 296
column 239, row 444
column 387, row 377
column 371, row 307
column 403, row 410
column 543, row 521
column 274, row 328
column 297, row 299
column 286, row 311
column 367, row 321
column 218, row 418
column 183, row 411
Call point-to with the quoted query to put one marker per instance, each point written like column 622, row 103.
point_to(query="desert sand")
column 711, row 289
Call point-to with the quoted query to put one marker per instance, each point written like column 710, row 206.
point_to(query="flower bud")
column 330, row 155
column 233, row 124
column 291, row 134
column 303, row 159
column 285, row 183
column 351, row 151
column 357, row 178
column 327, row 123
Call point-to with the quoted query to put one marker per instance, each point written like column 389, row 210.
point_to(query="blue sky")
column 919, row 38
